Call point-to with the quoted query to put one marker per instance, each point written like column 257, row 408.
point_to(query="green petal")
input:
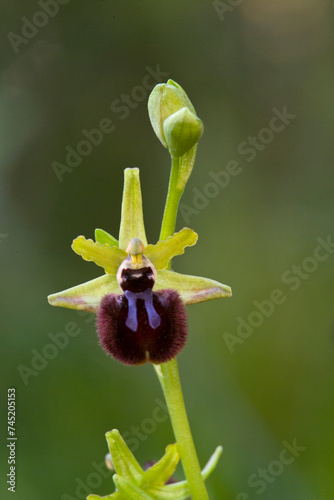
column 161, row 471
column 124, row 461
column 86, row 297
column 161, row 253
column 110, row 258
column 103, row 237
column 192, row 289
column 129, row 490
column 132, row 221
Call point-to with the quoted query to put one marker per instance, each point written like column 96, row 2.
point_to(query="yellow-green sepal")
column 192, row 289
column 132, row 219
column 87, row 296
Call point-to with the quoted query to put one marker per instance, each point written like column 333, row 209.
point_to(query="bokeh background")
column 238, row 61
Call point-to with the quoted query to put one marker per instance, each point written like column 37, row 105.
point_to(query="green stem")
column 168, row 373
column 172, row 202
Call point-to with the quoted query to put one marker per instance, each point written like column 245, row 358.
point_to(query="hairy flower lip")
column 137, row 328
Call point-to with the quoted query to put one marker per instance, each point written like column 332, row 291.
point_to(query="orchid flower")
column 136, row 340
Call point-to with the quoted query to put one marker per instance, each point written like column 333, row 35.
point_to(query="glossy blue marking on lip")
column 131, row 321
column 154, row 319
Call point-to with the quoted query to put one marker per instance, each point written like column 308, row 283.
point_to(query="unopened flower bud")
column 169, row 100
column 182, row 131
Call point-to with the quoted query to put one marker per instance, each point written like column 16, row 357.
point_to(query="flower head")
column 139, row 302
column 155, row 482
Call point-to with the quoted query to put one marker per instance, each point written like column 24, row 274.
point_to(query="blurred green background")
column 238, row 61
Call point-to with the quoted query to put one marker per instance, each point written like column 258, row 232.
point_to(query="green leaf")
column 87, row 296
column 110, row 258
column 159, row 473
column 161, row 253
column 103, row 237
column 132, row 220
column 124, row 461
column 192, row 289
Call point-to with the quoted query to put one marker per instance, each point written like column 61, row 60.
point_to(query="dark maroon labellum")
column 141, row 325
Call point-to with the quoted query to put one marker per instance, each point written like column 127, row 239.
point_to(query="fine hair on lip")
column 143, row 343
